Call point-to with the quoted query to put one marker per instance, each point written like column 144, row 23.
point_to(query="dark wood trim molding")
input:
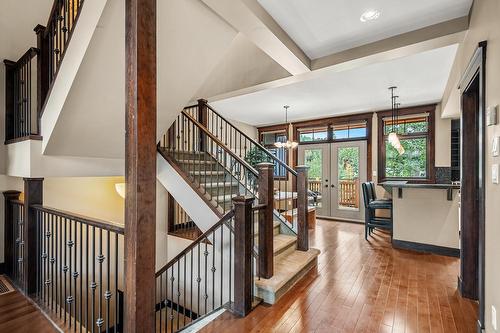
column 24, row 138
column 426, row 248
column 140, row 165
column 328, row 121
column 473, row 103
column 431, row 169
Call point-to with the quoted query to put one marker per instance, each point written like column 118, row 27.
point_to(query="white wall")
column 484, row 25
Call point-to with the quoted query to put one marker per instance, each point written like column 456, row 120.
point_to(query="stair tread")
column 286, row 267
column 215, row 184
column 207, row 173
column 196, row 161
column 282, row 241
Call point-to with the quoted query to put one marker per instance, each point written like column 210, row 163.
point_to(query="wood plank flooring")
column 364, row 286
column 18, row 315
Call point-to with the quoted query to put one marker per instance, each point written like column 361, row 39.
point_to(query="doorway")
column 472, row 191
column 336, row 171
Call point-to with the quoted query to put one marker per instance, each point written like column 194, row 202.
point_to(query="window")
column 313, row 134
column 268, row 139
column 415, row 132
column 336, row 132
column 349, row 131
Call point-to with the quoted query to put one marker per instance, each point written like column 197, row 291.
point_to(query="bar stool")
column 371, row 205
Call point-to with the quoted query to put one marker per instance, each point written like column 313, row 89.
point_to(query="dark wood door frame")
column 473, row 135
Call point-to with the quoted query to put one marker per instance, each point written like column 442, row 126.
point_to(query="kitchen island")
column 426, row 216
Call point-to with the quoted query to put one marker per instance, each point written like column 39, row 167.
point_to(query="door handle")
column 333, row 185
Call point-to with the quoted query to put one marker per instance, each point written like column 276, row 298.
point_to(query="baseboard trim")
column 426, row 248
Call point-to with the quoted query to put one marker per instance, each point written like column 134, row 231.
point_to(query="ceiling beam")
column 413, row 42
column 249, row 18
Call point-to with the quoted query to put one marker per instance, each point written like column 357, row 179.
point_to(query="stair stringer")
column 80, row 39
column 185, row 195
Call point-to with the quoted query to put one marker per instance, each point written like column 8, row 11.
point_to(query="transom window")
column 336, row 132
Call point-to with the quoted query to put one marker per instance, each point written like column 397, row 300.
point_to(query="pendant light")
column 393, row 135
column 288, row 144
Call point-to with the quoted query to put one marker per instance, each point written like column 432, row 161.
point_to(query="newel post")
column 203, row 119
column 243, row 279
column 266, row 197
column 10, row 69
column 33, row 195
column 302, row 207
column 42, row 69
column 9, row 229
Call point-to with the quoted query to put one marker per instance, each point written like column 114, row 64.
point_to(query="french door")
column 336, row 171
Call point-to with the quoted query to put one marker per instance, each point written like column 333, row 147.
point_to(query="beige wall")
column 93, row 197
column 485, row 25
column 426, row 216
column 6, row 184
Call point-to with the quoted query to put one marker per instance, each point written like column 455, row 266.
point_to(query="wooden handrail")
column 105, row 225
column 221, row 144
column 200, row 239
column 253, row 141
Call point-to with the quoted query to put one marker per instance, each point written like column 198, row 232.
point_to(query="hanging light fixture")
column 288, row 144
column 393, row 135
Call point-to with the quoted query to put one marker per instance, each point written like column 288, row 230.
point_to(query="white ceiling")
column 323, row 27
column 17, row 20
column 421, row 78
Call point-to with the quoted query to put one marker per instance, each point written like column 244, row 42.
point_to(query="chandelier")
column 393, row 135
column 288, row 144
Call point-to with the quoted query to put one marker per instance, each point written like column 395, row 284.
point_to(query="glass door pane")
column 317, row 158
column 348, row 178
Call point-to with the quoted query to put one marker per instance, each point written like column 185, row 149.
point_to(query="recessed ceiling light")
column 369, row 15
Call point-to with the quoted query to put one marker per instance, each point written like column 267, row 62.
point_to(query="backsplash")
column 443, row 175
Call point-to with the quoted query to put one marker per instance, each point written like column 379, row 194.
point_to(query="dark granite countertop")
column 404, row 184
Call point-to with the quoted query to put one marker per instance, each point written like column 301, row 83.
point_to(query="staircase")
column 210, row 154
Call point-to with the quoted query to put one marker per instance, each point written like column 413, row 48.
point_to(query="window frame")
column 430, row 135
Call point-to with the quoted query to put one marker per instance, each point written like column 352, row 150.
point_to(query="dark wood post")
column 140, row 165
column 170, row 213
column 9, row 229
column 302, row 207
column 42, row 70
column 203, row 119
column 266, row 197
column 243, row 279
column 10, row 69
column 33, row 195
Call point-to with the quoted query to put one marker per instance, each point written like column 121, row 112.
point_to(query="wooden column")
column 9, row 229
column 203, row 119
column 33, row 195
column 10, row 68
column 302, row 206
column 140, row 165
column 42, row 69
column 266, row 197
column 243, row 279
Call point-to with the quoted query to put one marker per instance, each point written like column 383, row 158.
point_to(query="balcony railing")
column 349, row 193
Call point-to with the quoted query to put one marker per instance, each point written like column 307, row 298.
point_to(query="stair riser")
column 199, row 166
column 205, row 178
column 222, row 191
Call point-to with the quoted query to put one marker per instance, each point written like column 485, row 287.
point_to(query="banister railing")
column 53, row 41
column 285, row 178
column 180, row 224
column 214, row 271
column 212, row 168
column 21, row 117
column 79, row 270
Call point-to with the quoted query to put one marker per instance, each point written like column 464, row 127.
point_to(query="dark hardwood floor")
column 364, row 286
column 18, row 315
